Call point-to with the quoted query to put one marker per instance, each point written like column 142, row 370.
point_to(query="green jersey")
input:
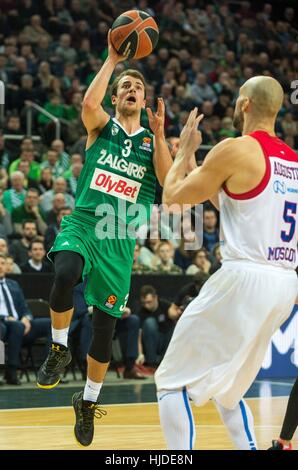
column 118, row 171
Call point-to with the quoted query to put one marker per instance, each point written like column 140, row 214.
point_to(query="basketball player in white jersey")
column 221, row 338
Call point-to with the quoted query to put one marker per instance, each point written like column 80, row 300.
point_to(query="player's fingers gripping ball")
column 134, row 31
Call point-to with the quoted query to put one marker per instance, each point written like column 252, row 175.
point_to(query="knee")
column 133, row 322
column 103, row 329
column 17, row 328
column 150, row 324
column 66, row 278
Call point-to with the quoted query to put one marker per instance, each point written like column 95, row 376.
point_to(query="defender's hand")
column 191, row 137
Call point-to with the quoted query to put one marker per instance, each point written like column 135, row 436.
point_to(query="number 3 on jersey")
column 127, row 149
column 290, row 210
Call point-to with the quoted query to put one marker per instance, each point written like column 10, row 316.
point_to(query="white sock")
column 240, row 424
column 176, row 419
column 60, row 336
column 91, row 390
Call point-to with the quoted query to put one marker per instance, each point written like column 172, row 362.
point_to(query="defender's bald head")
column 266, row 95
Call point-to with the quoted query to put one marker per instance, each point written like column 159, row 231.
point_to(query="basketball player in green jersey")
column 122, row 163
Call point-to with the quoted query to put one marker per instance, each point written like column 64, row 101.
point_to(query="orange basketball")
column 134, row 30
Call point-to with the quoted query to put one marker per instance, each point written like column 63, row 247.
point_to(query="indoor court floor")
column 38, row 419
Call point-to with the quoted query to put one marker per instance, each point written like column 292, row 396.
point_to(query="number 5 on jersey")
column 290, row 210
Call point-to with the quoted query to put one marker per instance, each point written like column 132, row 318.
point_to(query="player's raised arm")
column 162, row 159
column 205, row 181
column 94, row 116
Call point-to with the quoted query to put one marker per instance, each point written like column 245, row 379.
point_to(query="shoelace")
column 53, row 360
column 90, row 412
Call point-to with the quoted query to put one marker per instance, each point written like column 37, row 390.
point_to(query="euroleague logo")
column 111, row 301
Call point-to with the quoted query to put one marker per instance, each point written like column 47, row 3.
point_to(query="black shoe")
column 276, row 445
column 48, row 375
column 85, row 412
column 11, row 376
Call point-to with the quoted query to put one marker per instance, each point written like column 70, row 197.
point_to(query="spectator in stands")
column 17, row 324
column 147, row 252
column 210, row 230
column 28, row 156
column 46, row 181
column 173, row 145
column 54, row 228
column 51, row 161
column 190, row 290
column 158, row 318
column 64, row 157
column 5, row 158
column 227, row 128
column 73, row 179
column 29, row 211
column 58, row 202
column 13, row 127
column 14, row 197
column 64, row 51
column 200, row 263
column 34, row 32
column 59, row 186
column 36, row 263
column 24, row 167
column 14, row 268
column 11, row 266
column 184, row 253
column 217, row 259
column 53, row 106
column 165, row 263
column 20, row 248
column 137, row 267
column 5, row 222
column 200, row 91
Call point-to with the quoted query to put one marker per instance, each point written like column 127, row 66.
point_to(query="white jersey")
column 260, row 225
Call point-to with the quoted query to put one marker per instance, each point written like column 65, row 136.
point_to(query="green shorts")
column 108, row 263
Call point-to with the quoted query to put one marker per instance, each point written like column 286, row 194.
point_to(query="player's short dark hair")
column 132, row 73
column 146, row 290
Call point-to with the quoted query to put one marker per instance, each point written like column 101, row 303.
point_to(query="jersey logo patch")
column 111, row 301
column 146, row 144
column 115, row 130
column 115, row 185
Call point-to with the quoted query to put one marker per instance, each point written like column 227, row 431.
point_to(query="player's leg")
column 240, row 424
column 68, row 271
column 86, row 403
column 176, row 419
column 290, row 422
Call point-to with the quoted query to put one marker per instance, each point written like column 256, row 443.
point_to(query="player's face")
column 130, row 97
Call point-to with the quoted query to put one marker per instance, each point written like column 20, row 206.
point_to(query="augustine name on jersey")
column 289, row 173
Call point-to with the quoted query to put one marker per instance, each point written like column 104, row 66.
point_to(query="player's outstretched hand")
column 191, row 137
column 157, row 120
column 113, row 54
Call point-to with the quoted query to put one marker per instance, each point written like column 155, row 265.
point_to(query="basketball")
column 134, row 30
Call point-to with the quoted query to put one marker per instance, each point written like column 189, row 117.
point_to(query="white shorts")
column 221, row 339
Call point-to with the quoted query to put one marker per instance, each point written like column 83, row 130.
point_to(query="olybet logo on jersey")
column 115, row 185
